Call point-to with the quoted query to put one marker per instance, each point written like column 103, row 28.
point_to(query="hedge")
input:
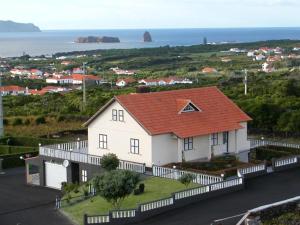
column 29, row 141
column 7, row 150
column 269, row 154
column 13, row 160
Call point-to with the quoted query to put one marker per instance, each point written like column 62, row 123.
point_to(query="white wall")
column 118, row 136
column 164, row 149
column 200, row 148
column 242, row 138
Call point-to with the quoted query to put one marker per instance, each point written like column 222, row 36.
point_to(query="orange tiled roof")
column 158, row 112
column 12, row 88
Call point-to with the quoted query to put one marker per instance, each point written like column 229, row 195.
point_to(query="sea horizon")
column 49, row 42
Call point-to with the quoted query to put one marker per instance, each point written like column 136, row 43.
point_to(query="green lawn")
column 155, row 188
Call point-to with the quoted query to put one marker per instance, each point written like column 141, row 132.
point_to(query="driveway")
column 259, row 191
column 21, row 204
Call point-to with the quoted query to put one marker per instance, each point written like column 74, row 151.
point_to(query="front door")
column 225, row 141
column 75, row 173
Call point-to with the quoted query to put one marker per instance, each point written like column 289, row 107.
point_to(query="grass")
column 155, row 188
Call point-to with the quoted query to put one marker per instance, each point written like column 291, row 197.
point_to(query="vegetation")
column 110, row 162
column 187, row 179
column 116, row 185
column 156, row 188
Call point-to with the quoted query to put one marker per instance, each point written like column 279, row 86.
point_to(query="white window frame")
column 214, row 139
column 84, row 175
column 188, row 144
column 114, row 115
column 134, row 146
column 103, row 141
column 121, row 115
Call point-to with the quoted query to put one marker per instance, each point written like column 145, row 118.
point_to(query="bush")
column 136, row 192
column 60, row 118
column 40, row 120
column 27, row 122
column 5, row 122
column 142, row 188
column 110, row 162
column 269, row 154
column 12, row 161
column 17, row 122
column 187, row 178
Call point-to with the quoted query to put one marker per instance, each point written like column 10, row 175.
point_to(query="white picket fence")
column 131, row 213
column 191, row 192
column 123, row 214
column 156, row 204
column 251, row 169
column 132, row 166
column 254, row 143
column 286, row 161
column 97, row 219
column 203, row 179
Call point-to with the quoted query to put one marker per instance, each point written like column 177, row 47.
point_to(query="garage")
column 55, row 175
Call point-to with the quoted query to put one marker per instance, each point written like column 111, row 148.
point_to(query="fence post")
column 57, row 202
column 85, row 222
column 1, row 169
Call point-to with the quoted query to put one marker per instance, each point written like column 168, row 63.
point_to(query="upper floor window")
column 215, row 139
column 121, row 115
column 118, row 115
column 225, row 137
column 134, row 146
column 115, row 115
column 188, row 144
column 103, row 141
column 190, row 108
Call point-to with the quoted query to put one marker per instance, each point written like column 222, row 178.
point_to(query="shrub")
column 5, row 122
column 142, row 188
column 187, row 178
column 60, row 118
column 110, row 162
column 17, row 122
column 136, row 192
column 27, row 122
column 40, row 120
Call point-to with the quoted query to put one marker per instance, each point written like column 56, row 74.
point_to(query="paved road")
column 259, row 191
column 21, row 204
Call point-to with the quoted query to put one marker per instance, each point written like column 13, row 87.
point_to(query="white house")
column 148, row 82
column 171, row 126
column 260, row 57
column 268, row 67
column 125, row 81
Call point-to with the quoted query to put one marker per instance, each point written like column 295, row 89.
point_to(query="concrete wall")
column 164, row 149
column 201, row 148
column 118, row 136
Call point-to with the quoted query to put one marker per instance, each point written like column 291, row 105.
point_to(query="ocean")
column 54, row 41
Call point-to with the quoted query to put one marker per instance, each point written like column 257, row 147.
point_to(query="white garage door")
column 55, row 175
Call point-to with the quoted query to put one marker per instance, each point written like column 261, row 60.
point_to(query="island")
column 10, row 26
column 93, row 39
column 147, row 37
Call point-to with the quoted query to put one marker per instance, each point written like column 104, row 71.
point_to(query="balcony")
column 78, row 152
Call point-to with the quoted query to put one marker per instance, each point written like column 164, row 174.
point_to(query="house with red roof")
column 171, row 126
column 125, row 81
column 12, row 90
column 146, row 129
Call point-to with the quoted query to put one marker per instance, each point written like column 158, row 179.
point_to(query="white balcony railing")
column 78, row 152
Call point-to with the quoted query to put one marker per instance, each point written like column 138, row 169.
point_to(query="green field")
column 155, row 189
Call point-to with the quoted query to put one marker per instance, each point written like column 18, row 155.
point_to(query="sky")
column 131, row 14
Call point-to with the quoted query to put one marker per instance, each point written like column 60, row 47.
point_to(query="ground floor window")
column 134, row 146
column 83, row 175
column 215, row 139
column 188, row 144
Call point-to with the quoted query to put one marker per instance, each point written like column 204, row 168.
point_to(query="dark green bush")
column 40, row 120
column 142, row 188
column 269, row 154
column 110, row 162
column 13, row 160
column 17, row 122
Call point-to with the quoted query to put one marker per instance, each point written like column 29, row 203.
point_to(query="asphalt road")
column 21, row 204
column 259, row 191
column 25, row 205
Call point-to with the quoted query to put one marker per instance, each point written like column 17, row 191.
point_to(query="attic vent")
column 190, row 108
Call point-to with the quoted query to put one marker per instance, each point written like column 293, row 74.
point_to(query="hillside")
column 10, row 26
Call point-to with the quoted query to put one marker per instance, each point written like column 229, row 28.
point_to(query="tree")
column 109, row 162
column 116, row 185
column 187, row 178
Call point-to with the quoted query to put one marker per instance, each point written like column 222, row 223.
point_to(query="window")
column 121, row 115
column 83, row 175
column 225, row 137
column 190, row 108
column 103, row 141
column 188, row 144
column 115, row 115
column 134, row 146
column 215, row 139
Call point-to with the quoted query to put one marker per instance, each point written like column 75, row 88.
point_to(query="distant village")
column 74, row 78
